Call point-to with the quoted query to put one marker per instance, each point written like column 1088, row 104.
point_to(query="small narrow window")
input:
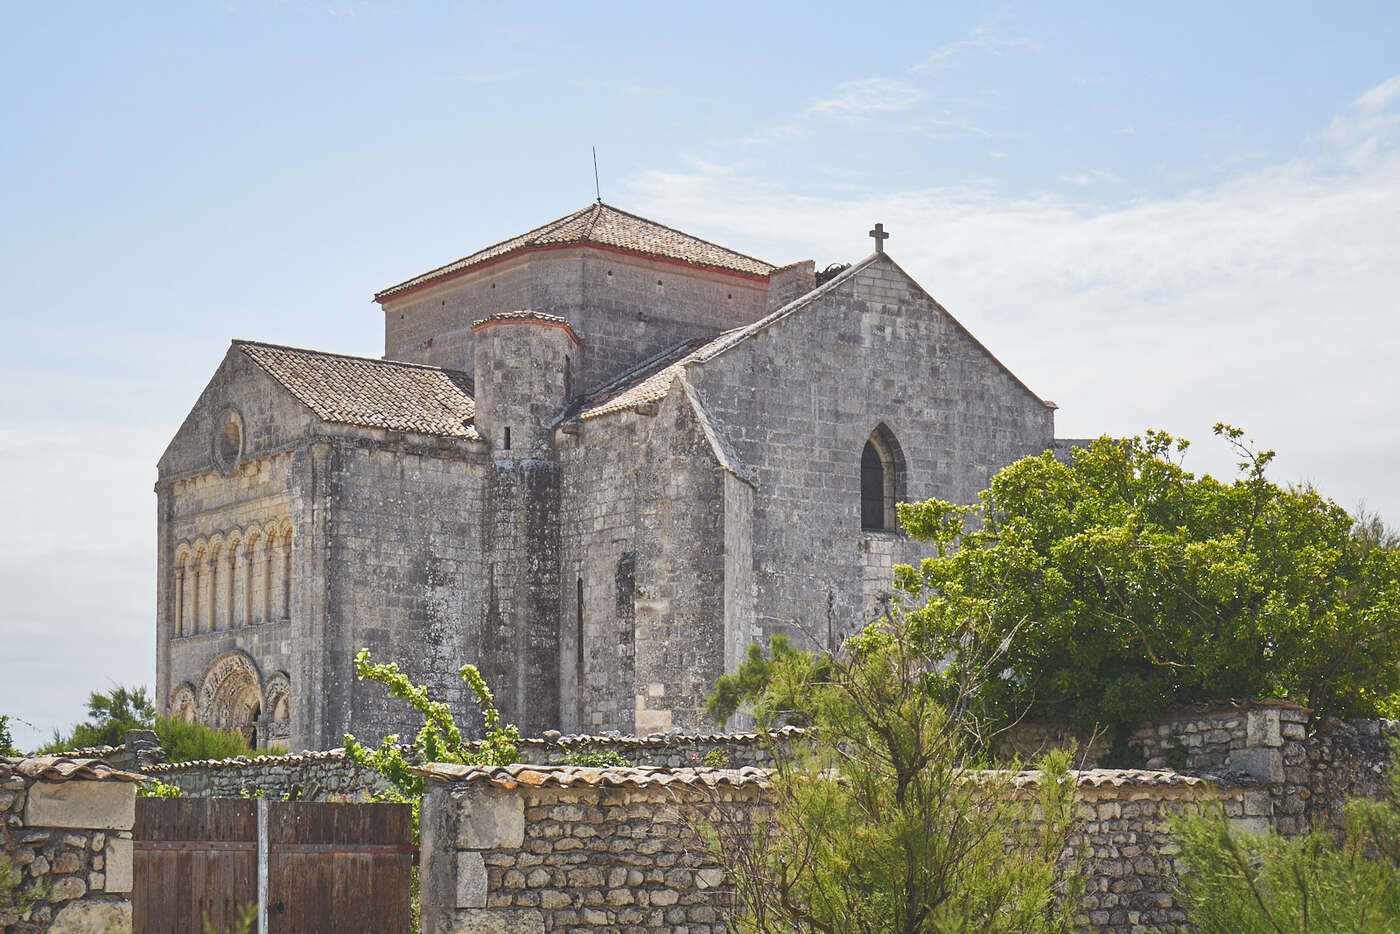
column 578, row 651
column 568, row 379
column 507, row 438
column 881, row 482
column 578, row 608
column 872, row 488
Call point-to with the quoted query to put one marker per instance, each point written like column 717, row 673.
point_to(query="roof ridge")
column 528, row 236
column 677, row 230
column 593, row 222
column 244, row 342
column 742, row 333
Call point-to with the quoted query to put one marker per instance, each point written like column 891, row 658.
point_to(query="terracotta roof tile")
column 66, row 769
column 564, row 776
column 369, row 392
column 605, row 225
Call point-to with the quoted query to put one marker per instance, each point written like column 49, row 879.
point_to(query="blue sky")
column 1159, row 217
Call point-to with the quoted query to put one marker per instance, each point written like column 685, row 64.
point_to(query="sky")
column 1159, row 216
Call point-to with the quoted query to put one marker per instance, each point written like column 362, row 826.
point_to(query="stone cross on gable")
column 880, row 237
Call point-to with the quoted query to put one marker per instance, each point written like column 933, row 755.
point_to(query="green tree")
column 883, row 820
column 7, row 740
column 1239, row 882
column 110, row 715
column 749, row 684
column 1122, row 583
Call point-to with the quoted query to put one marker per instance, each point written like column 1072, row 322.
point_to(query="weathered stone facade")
column 600, row 460
column 65, row 827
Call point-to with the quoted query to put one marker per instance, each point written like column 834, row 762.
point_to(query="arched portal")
column 881, row 481
column 230, row 696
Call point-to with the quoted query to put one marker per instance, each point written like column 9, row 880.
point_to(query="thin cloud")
column 983, row 39
column 1265, row 300
column 868, row 96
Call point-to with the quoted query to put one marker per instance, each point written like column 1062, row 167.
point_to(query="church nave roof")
column 369, row 392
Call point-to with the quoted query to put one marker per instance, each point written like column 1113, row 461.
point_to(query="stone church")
column 597, row 460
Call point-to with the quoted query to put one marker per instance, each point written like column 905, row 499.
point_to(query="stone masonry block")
column 90, row 916
column 1259, row 825
column 1261, row 762
column 495, row 921
column 95, row 805
column 1264, row 728
column 118, row 865
column 471, row 880
column 491, row 821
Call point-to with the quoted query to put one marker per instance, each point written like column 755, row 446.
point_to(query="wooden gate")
column 202, row 862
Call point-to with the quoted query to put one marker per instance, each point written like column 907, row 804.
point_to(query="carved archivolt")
column 233, row 578
column 230, row 693
column 182, row 702
column 233, row 695
column 277, row 696
column 277, row 708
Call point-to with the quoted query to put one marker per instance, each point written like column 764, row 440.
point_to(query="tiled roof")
column 1113, row 778
column 564, row 776
column 371, row 393
column 605, row 225
column 65, row 769
column 525, row 315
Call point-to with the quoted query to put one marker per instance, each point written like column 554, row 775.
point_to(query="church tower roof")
column 601, row 225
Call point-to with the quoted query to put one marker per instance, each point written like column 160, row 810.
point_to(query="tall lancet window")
column 881, row 481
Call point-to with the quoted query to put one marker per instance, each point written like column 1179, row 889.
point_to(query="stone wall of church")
column 625, row 308
column 402, row 566
column 656, row 552
column 599, row 467
column 680, row 572
column 798, row 401
column 233, row 514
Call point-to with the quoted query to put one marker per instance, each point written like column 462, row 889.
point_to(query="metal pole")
column 262, row 866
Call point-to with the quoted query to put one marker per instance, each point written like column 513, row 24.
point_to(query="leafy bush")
column 595, row 758
column 1242, row 883
column 187, row 741
column 1123, row 583
column 158, row 789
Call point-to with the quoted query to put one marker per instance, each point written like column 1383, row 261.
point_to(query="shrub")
column 187, row 741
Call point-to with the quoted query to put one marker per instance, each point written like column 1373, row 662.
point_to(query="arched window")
column 881, row 481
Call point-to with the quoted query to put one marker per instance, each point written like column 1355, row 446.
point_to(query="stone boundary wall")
column 553, row 849
column 1207, row 738
column 67, row 830
column 329, row 776
column 310, row 776
column 1311, row 766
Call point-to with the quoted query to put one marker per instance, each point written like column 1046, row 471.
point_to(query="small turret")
column 524, row 366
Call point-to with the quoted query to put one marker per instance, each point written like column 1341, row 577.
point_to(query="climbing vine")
column 440, row 739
